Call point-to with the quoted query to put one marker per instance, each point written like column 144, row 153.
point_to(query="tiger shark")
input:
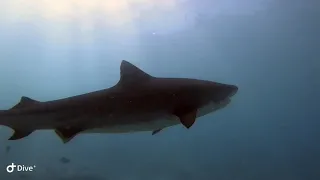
column 138, row 102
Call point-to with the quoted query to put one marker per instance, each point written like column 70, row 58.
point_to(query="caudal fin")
column 19, row 134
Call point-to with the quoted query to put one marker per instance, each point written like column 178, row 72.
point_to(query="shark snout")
column 225, row 92
column 232, row 90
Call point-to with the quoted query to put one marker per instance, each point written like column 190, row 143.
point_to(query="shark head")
column 203, row 94
column 213, row 96
column 188, row 94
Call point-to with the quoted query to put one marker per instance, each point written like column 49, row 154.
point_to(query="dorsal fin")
column 130, row 74
column 24, row 102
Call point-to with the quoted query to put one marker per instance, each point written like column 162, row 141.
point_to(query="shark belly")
column 155, row 122
column 138, row 126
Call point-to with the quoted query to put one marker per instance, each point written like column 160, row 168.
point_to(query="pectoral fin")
column 187, row 118
column 19, row 134
column 66, row 134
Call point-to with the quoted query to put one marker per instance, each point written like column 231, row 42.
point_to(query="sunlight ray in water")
column 115, row 12
column 117, row 16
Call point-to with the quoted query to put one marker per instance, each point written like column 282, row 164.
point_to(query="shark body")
column 138, row 102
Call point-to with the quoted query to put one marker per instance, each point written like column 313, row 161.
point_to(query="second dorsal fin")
column 24, row 102
column 130, row 74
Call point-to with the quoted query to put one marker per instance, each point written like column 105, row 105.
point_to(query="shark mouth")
column 213, row 106
column 227, row 100
column 224, row 102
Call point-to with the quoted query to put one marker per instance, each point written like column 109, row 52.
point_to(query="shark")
column 137, row 102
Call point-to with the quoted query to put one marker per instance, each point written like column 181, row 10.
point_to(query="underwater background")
column 270, row 49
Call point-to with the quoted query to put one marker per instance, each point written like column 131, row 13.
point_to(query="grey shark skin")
column 138, row 102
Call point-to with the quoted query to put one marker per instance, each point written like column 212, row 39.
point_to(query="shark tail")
column 18, row 133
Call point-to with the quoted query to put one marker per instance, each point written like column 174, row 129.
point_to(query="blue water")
column 268, row 48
